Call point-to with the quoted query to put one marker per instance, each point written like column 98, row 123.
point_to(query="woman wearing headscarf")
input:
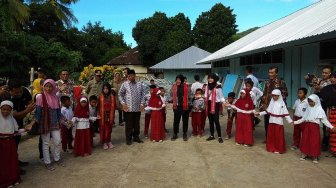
column 311, row 138
column 48, row 114
column 277, row 110
column 214, row 98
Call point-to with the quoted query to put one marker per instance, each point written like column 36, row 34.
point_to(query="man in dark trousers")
column 131, row 96
column 23, row 105
column 274, row 82
column 180, row 95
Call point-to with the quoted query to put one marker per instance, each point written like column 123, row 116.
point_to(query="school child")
column 155, row 104
column 48, row 115
column 66, row 126
column 311, row 138
column 277, row 110
column 107, row 106
column 244, row 121
column 164, row 99
column 148, row 112
column 256, row 94
column 81, row 121
column 214, row 99
column 198, row 106
column 299, row 107
column 9, row 162
column 231, row 114
column 93, row 102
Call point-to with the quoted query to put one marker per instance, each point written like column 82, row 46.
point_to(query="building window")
column 262, row 58
column 224, row 63
column 327, row 50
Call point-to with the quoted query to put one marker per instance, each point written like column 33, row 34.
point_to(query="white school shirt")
column 255, row 93
column 195, row 86
column 67, row 113
column 277, row 120
column 82, row 123
column 219, row 95
column 93, row 111
column 317, row 121
column 254, row 79
column 300, row 107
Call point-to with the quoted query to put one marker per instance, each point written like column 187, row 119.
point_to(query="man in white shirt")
column 196, row 85
column 250, row 75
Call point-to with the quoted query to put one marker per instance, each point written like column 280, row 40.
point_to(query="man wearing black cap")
column 180, row 95
column 131, row 96
column 94, row 87
column 328, row 101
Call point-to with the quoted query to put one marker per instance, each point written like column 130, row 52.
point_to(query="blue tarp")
column 229, row 83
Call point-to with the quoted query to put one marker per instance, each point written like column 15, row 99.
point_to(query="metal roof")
column 313, row 23
column 184, row 60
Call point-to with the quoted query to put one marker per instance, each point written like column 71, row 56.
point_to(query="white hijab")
column 8, row 125
column 315, row 112
column 277, row 107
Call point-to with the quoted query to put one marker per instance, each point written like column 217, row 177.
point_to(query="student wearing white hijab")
column 277, row 110
column 10, row 171
column 311, row 137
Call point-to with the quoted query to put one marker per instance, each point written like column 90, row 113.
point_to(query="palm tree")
column 15, row 11
column 62, row 10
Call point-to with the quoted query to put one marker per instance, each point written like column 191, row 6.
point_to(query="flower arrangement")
column 88, row 73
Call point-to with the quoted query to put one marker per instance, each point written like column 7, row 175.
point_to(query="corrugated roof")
column 184, row 60
column 303, row 26
column 131, row 57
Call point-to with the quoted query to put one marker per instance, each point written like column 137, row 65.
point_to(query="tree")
column 178, row 38
column 44, row 22
column 97, row 44
column 243, row 34
column 61, row 9
column 159, row 37
column 15, row 13
column 213, row 29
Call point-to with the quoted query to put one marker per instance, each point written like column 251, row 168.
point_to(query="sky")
column 122, row 15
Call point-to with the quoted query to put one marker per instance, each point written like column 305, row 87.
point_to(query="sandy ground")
column 195, row 163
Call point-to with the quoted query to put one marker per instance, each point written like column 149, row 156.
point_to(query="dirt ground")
column 195, row 163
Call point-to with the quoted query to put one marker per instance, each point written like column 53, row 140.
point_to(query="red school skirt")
column 275, row 138
column 82, row 144
column 311, row 139
column 9, row 163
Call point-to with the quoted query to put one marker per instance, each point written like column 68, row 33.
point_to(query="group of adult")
column 130, row 99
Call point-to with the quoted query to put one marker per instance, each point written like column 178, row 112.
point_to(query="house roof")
column 184, row 60
column 131, row 57
column 311, row 24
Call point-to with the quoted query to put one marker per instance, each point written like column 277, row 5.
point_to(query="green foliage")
column 15, row 13
column 45, row 40
column 159, row 37
column 244, row 33
column 213, row 29
column 97, row 44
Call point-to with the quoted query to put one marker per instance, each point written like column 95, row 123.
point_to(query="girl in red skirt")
column 244, row 121
column 155, row 104
column 311, row 120
column 277, row 110
column 107, row 106
column 9, row 163
column 81, row 121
